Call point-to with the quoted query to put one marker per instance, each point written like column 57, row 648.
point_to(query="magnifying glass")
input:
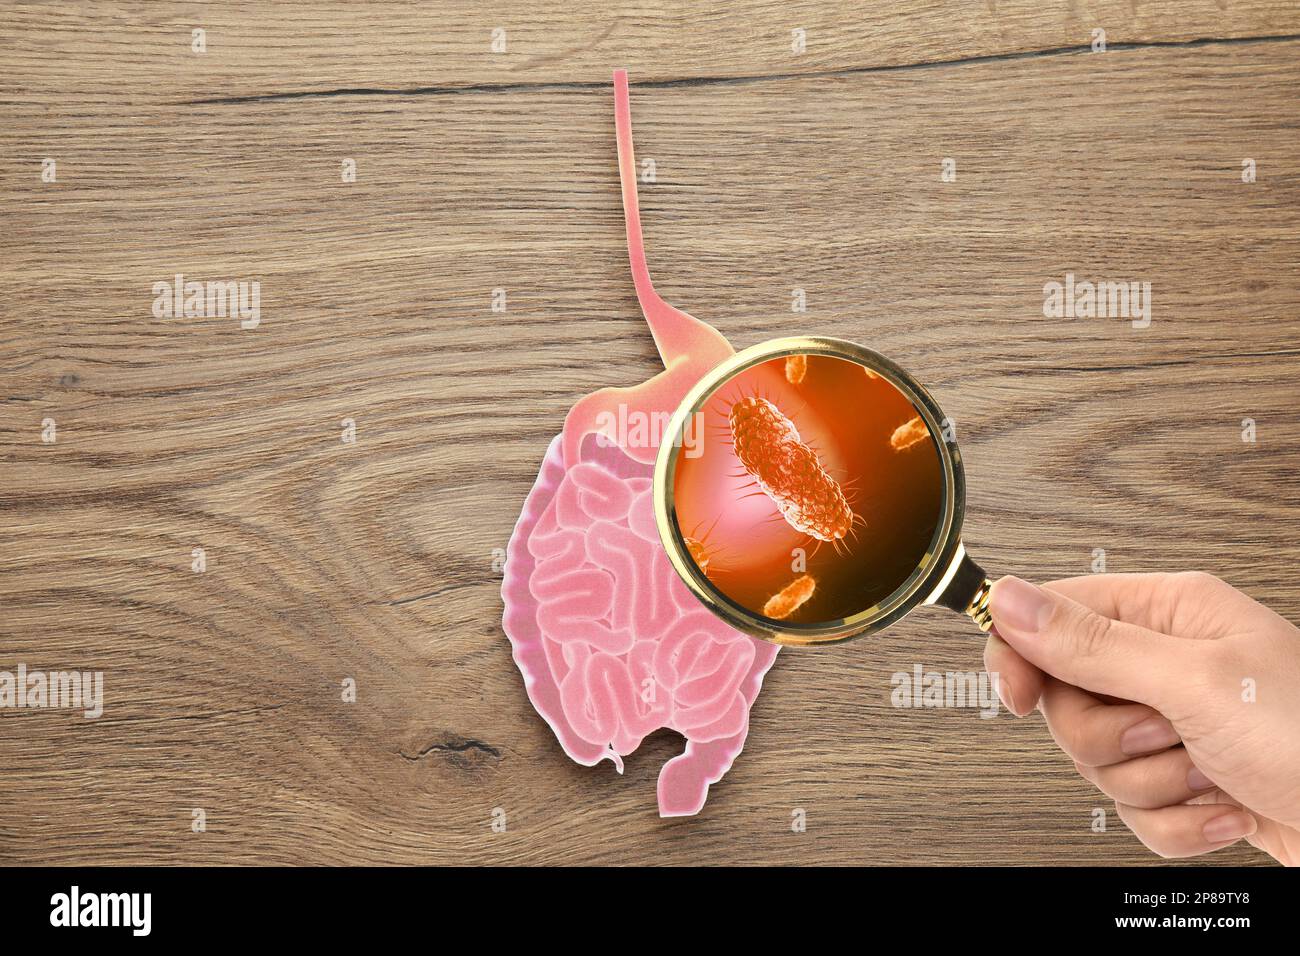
column 806, row 493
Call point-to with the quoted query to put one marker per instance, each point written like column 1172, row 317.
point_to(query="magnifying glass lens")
column 806, row 491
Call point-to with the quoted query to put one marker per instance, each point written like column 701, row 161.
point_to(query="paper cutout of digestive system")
column 611, row 644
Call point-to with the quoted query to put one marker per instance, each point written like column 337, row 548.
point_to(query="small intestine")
column 639, row 651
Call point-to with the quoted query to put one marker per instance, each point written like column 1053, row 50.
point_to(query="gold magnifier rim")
column 919, row 587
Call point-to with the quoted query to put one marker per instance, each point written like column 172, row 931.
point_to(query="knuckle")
column 1082, row 744
column 1157, row 841
column 1196, row 579
column 1145, row 791
column 1163, row 836
column 1147, row 828
column 1093, row 634
column 1222, row 657
column 1075, row 743
column 1189, row 585
column 1123, row 785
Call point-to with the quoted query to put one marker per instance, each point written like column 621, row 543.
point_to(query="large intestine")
column 611, row 644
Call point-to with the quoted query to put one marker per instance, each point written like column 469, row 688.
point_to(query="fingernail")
column 1004, row 692
column 1230, row 826
column 1019, row 606
column 1197, row 780
column 1154, row 733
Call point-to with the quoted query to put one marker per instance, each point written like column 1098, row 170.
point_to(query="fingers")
column 1077, row 645
column 1111, row 635
column 1187, row 830
column 1160, row 780
column 1182, row 604
column 1019, row 682
column 1126, row 750
column 1146, row 600
column 1124, row 597
column 1096, row 734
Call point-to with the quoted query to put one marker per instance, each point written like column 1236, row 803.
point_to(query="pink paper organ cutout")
column 611, row 643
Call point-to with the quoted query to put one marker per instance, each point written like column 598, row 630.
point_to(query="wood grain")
column 374, row 561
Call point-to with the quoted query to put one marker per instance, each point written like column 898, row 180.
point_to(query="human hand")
column 1175, row 694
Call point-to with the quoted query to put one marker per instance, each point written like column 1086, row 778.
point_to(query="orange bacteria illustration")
column 799, row 454
column 788, row 471
column 908, row 434
column 699, row 554
column 790, row 598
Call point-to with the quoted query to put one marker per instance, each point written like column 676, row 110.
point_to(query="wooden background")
column 477, row 171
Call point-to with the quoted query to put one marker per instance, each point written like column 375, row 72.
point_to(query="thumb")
column 1077, row 645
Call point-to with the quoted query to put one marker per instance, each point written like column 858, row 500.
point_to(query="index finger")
column 1147, row 600
column 1080, row 646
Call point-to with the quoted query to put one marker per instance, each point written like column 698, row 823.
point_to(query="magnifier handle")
column 968, row 593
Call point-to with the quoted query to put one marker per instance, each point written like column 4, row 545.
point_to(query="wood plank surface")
column 375, row 560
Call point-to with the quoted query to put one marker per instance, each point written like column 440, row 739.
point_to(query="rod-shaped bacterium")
column 790, row 598
column 788, row 471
